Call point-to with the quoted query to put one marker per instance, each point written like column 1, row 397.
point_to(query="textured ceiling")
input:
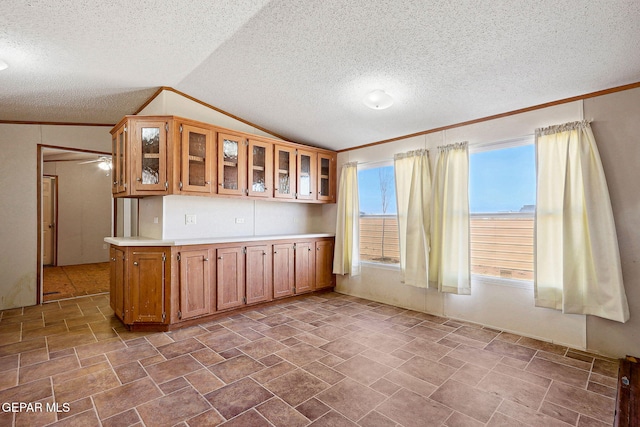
column 301, row 68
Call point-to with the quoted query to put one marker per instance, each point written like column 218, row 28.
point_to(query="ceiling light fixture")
column 378, row 100
column 3, row 65
column 105, row 164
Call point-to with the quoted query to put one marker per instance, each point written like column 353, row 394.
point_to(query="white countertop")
column 146, row 241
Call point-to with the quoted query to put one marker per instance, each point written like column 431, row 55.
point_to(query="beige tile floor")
column 328, row 360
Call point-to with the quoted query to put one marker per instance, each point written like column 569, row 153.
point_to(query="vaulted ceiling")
column 302, row 68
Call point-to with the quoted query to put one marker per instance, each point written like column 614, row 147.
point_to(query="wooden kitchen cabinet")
column 147, row 285
column 260, row 171
column 157, row 288
column 232, row 164
column 117, row 281
column 196, row 284
column 283, row 270
column 324, row 264
column 305, row 272
column 326, row 171
column 230, row 277
column 284, row 172
column 197, row 159
column 258, row 274
column 119, row 160
column 306, row 175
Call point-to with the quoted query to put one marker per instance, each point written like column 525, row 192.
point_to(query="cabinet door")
column 283, row 270
column 230, row 277
column 117, row 277
column 260, row 168
column 149, row 156
column 258, row 279
column 195, row 284
column 325, row 177
column 119, row 160
column 147, row 275
column 306, row 175
column 284, row 172
column 232, row 164
column 197, row 159
column 305, row 267
column 324, row 264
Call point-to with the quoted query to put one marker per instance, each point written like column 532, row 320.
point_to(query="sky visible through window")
column 500, row 181
column 370, row 193
column 503, row 180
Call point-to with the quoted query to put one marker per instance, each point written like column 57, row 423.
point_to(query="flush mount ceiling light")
column 378, row 100
column 3, row 65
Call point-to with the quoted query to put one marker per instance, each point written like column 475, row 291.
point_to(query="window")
column 502, row 191
column 378, row 214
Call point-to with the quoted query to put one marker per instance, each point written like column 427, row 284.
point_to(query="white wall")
column 506, row 308
column 84, row 212
column 18, row 175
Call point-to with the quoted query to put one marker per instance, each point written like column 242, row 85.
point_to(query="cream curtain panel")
column 346, row 258
column 577, row 261
column 413, row 199
column 449, row 257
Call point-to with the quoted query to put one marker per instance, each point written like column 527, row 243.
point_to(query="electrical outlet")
column 104, row 246
column 239, row 220
column 190, row 219
column 155, row 220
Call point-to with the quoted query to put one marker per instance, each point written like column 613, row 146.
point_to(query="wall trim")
column 498, row 116
column 29, row 122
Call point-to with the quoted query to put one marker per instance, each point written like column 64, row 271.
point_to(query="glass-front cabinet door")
column 232, row 163
column 197, row 159
column 149, row 152
column 325, row 180
column 306, row 174
column 284, row 172
column 260, row 172
column 118, row 164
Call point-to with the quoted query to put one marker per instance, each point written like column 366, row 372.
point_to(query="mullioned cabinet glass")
column 260, row 172
column 306, row 175
column 197, row 155
column 284, row 172
column 149, row 153
column 232, row 163
column 325, row 180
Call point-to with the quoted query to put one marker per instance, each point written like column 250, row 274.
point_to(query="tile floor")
column 328, row 360
column 75, row 280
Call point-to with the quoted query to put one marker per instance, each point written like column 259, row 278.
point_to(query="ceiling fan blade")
column 90, row 161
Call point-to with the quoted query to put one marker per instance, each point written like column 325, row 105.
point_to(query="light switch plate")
column 239, row 220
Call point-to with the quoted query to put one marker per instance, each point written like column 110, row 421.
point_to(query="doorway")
column 75, row 215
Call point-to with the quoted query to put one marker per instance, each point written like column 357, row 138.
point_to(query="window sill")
column 501, row 281
column 380, row 265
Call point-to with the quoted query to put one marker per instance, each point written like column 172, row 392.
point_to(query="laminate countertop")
column 146, row 241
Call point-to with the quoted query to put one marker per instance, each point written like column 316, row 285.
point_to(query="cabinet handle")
column 264, row 253
column 113, row 259
column 206, row 259
column 135, row 263
column 275, row 252
column 138, row 179
column 219, row 257
column 207, row 182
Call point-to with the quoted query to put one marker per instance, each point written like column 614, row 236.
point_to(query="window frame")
column 375, row 165
column 481, row 147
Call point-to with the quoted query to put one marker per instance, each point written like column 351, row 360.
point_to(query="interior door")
column 48, row 220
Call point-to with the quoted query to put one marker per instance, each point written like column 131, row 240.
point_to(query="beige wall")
column 616, row 127
column 84, row 212
column 509, row 308
column 18, row 175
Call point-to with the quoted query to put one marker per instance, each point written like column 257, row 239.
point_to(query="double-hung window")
column 378, row 213
column 502, row 192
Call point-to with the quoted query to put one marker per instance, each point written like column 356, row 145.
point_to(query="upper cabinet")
column 285, row 172
column 260, row 172
column 162, row 155
column 197, row 159
column 232, row 164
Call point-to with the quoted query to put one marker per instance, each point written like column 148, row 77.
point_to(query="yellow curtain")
column 449, row 257
column 346, row 258
column 577, row 260
column 413, row 197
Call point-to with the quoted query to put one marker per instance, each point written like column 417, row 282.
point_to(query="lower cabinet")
column 163, row 286
column 196, row 284
column 139, row 292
